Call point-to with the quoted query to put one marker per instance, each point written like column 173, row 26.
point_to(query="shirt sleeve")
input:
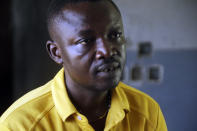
column 161, row 124
column 3, row 128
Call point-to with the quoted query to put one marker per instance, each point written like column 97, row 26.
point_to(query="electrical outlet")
column 155, row 73
column 145, row 49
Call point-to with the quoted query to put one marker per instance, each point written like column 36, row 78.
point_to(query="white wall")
column 168, row 24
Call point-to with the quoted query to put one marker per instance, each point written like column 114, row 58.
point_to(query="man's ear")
column 54, row 52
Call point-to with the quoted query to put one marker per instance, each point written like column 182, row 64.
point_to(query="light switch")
column 144, row 49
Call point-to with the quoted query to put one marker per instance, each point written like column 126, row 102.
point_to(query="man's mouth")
column 110, row 67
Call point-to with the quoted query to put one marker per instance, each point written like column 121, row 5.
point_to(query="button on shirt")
column 48, row 108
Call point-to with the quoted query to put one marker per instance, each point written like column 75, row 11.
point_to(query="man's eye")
column 116, row 35
column 83, row 41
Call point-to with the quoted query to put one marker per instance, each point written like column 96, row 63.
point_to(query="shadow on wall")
column 6, row 56
column 32, row 65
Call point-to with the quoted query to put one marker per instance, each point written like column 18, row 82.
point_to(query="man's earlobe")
column 54, row 52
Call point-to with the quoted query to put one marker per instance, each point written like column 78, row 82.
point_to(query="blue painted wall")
column 177, row 92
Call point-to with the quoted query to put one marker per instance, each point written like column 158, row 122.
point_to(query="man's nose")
column 104, row 49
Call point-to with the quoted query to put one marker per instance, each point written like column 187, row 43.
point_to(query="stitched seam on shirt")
column 41, row 116
column 18, row 108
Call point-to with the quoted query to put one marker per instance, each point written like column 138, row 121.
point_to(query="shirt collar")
column 119, row 107
column 64, row 105
column 60, row 96
column 119, row 98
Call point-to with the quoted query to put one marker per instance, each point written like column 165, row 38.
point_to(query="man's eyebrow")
column 116, row 27
column 116, row 23
column 86, row 32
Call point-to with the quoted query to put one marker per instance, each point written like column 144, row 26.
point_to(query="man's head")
column 88, row 40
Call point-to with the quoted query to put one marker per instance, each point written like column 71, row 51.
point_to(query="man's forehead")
column 89, row 12
column 71, row 17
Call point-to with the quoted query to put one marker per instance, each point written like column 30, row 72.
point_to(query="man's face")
column 90, row 39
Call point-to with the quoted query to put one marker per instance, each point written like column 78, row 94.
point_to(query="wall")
column 169, row 24
column 6, row 55
column 32, row 67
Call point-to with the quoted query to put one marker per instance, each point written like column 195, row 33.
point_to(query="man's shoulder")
column 135, row 94
column 29, row 107
column 140, row 103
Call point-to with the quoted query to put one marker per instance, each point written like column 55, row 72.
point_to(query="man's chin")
column 103, row 86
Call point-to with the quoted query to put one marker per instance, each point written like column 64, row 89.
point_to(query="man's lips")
column 109, row 67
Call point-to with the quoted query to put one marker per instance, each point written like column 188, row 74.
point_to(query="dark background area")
column 6, row 55
column 23, row 36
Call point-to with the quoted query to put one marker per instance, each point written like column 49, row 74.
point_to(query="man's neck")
column 85, row 100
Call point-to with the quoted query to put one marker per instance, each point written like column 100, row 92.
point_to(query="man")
column 87, row 39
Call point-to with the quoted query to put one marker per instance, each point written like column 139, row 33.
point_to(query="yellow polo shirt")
column 48, row 108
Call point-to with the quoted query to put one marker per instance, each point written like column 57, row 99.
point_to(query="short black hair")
column 55, row 7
